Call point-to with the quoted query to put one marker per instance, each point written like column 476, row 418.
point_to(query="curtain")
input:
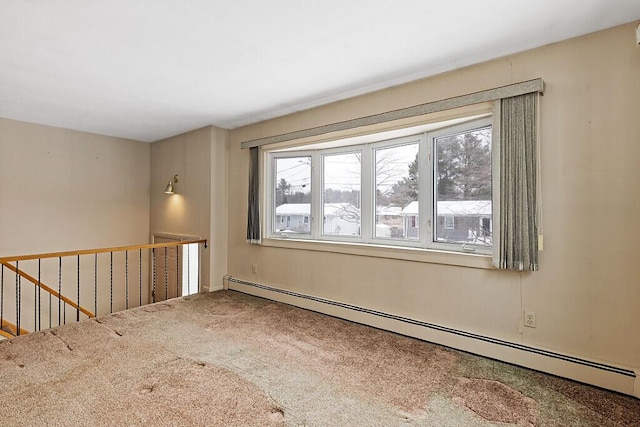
column 253, row 214
column 517, row 246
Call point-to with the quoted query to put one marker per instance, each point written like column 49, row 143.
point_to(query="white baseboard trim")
column 620, row 379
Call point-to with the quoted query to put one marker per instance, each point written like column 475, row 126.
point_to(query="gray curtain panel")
column 517, row 246
column 253, row 216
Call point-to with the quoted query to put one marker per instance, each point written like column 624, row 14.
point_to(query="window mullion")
column 425, row 190
column 317, row 186
column 367, row 199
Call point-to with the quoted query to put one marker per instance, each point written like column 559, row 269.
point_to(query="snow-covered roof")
column 410, row 209
column 388, row 210
column 293, row 209
column 455, row 208
column 446, row 207
column 335, row 209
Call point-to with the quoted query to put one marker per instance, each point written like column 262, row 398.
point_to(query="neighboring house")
column 293, row 218
column 457, row 221
column 410, row 220
column 389, row 221
column 339, row 219
column 342, row 219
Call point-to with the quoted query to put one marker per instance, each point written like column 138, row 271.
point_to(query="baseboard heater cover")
column 318, row 303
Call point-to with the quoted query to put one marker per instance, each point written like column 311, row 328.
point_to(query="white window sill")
column 432, row 256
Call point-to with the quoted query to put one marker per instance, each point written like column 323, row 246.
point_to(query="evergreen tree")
column 463, row 166
column 463, row 171
column 282, row 191
column 475, row 168
column 405, row 191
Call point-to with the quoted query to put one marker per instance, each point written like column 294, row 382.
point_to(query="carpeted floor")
column 230, row 359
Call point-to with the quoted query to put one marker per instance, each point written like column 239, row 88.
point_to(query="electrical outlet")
column 530, row 319
column 254, row 268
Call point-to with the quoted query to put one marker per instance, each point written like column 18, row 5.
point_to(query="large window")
column 431, row 190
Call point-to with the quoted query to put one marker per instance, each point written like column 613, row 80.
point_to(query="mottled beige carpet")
column 228, row 359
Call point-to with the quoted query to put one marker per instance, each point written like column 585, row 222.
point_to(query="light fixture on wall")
column 170, row 188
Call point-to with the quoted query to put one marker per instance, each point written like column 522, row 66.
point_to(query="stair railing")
column 113, row 279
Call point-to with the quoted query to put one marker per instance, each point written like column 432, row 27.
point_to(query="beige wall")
column 586, row 294
column 219, row 207
column 67, row 190
column 196, row 157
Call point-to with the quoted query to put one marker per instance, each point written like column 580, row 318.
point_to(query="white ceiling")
column 149, row 69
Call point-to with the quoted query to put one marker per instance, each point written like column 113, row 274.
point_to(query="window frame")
column 320, row 177
column 272, row 171
column 426, row 188
column 392, row 143
column 446, row 131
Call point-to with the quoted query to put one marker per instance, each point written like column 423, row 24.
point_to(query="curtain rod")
column 529, row 86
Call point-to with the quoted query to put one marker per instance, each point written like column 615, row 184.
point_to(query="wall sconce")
column 170, row 186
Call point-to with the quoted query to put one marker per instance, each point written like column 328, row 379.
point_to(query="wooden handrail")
column 48, row 289
column 4, row 260
column 11, row 263
column 6, row 334
column 11, row 327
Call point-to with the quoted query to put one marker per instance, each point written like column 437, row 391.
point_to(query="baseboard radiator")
column 614, row 378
